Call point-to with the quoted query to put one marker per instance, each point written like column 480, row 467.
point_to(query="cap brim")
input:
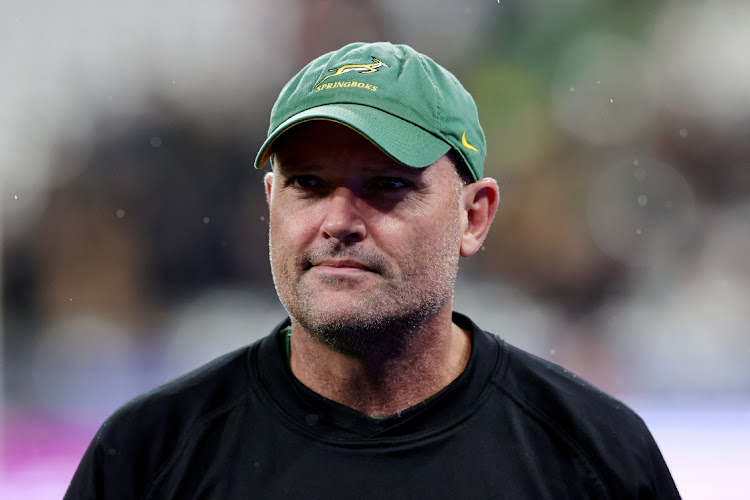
column 400, row 139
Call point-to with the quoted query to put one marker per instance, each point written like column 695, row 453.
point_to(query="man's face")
column 360, row 244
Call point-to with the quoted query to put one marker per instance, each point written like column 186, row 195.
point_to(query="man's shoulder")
column 551, row 394
column 146, row 434
column 169, row 412
column 562, row 399
column 556, row 416
column 600, row 429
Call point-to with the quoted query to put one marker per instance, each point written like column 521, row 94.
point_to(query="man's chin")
column 340, row 318
column 342, row 295
column 362, row 331
column 330, row 283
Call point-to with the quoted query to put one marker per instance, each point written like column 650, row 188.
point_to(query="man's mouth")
column 342, row 265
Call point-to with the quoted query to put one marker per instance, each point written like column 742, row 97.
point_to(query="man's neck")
column 381, row 386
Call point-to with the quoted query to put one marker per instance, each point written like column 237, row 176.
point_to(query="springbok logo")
column 359, row 68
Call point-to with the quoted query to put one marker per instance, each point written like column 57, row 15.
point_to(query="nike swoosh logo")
column 466, row 144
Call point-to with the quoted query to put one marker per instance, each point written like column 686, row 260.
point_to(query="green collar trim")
column 287, row 332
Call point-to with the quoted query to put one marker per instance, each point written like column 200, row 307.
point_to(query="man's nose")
column 343, row 220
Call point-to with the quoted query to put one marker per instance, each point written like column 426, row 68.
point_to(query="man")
column 373, row 388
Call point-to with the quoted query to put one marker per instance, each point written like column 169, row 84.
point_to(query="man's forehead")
column 291, row 166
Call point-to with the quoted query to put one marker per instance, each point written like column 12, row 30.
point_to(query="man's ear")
column 480, row 200
column 268, row 180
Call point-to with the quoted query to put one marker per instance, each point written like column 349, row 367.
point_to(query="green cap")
column 402, row 101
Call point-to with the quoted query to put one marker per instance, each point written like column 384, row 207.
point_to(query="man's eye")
column 390, row 183
column 305, row 181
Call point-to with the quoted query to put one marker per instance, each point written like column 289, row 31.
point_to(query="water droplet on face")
column 155, row 141
column 643, row 200
column 120, row 213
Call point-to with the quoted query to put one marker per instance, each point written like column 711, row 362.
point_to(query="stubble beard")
column 384, row 323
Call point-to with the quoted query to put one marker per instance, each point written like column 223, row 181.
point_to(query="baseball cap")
column 405, row 103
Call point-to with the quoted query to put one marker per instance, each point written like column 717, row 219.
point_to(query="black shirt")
column 511, row 426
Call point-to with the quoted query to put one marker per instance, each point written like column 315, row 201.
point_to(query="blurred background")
column 134, row 231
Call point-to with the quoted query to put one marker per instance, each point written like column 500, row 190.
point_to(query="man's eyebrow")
column 403, row 170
